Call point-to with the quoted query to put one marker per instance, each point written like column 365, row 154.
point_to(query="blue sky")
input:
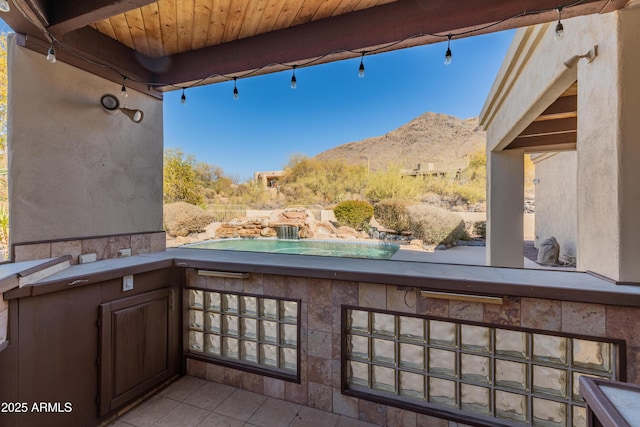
column 331, row 105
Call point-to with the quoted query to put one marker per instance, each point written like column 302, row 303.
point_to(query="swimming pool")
column 303, row 247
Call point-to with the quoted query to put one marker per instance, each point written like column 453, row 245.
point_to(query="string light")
column 51, row 54
column 183, row 98
column 123, row 90
column 294, row 82
column 447, row 56
column 559, row 27
column 236, row 95
column 559, row 33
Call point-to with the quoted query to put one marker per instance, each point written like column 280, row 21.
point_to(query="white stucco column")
column 505, row 198
column 609, row 153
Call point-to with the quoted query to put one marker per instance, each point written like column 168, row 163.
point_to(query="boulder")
column 548, row 252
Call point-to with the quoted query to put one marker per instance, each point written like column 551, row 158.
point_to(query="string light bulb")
column 236, row 94
column 559, row 35
column 294, row 81
column 448, row 57
column 4, row 6
column 123, row 90
column 361, row 68
column 183, row 98
column 51, row 54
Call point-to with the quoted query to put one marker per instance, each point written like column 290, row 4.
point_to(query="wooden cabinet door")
column 135, row 347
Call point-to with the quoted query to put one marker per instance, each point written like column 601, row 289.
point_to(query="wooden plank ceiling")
column 553, row 130
column 169, row 44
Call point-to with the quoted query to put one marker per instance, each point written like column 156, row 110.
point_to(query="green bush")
column 480, row 229
column 182, row 219
column 393, row 213
column 434, row 225
column 353, row 213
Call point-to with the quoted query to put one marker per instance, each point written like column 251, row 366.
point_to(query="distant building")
column 268, row 179
column 452, row 168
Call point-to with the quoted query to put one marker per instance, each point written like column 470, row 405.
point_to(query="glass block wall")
column 516, row 376
column 250, row 330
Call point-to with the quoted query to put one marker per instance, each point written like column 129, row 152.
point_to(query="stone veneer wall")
column 105, row 247
column 321, row 329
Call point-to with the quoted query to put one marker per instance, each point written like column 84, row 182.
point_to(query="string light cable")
column 312, row 61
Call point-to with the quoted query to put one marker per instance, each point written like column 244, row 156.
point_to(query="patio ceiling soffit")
column 379, row 25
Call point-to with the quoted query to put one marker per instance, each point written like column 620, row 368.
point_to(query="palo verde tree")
column 181, row 182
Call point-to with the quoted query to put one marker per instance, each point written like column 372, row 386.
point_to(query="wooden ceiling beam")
column 549, row 127
column 69, row 15
column 544, row 140
column 362, row 30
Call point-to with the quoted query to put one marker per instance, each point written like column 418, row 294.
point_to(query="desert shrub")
column 353, row 213
column 434, row 225
column 393, row 213
column 480, row 229
column 182, row 219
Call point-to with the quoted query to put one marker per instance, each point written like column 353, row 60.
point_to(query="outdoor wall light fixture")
column 590, row 55
column 111, row 104
column 4, row 6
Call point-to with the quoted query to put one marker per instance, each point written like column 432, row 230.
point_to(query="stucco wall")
column 74, row 170
column 556, row 202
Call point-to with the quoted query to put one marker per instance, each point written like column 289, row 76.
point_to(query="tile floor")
column 194, row 402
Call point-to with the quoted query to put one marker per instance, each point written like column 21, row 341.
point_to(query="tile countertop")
column 467, row 279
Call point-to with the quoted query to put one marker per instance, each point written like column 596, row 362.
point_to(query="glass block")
column 269, row 309
column 411, row 385
column 384, row 324
column 384, row 351
column 592, row 355
column 289, row 311
column 411, row 329
column 442, row 392
column 212, row 323
column 547, row 413
column 269, row 331
column 511, row 374
column 230, row 347
column 249, row 306
column 196, row 341
column 548, row 348
column 579, row 416
column 212, row 344
column 576, row 384
column 412, row 356
column 384, row 379
column 475, row 338
column 358, row 321
column 475, row 399
column 289, row 359
column 212, row 301
column 289, row 334
column 442, row 333
column 511, row 406
column 269, row 355
column 249, row 328
column 230, row 325
column 442, row 362
column 549, row 381
column 230, row 303
column 358, row 347
column 475, row 368
column 511, row 343
column 196, row 319
column 196, row 298
column 249, row 351
column 358, row 373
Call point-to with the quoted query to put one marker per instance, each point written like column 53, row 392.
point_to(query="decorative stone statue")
column 548, row 252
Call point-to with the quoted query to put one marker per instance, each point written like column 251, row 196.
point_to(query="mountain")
column 429, row 138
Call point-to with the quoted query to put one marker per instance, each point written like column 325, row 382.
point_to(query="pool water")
column 303, row 247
